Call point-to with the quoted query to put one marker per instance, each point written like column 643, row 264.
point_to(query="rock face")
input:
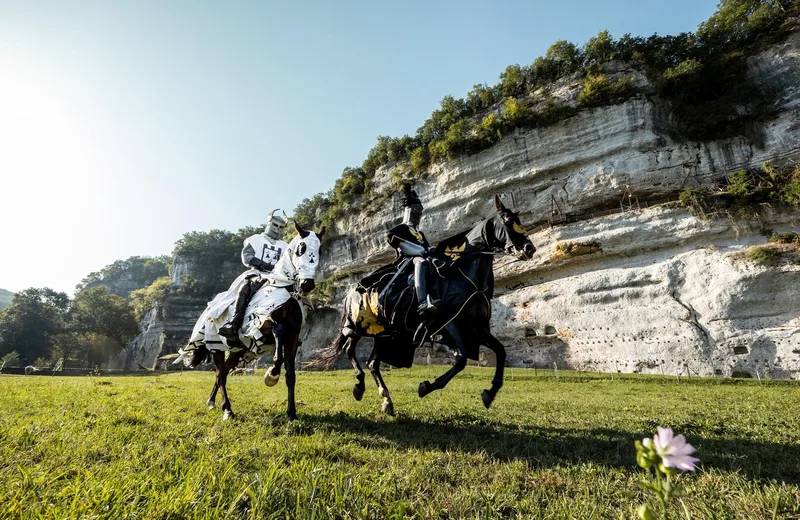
column 664, row 294
column 667, row 294
column 144, row 349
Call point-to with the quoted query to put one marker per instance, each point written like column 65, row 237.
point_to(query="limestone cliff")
column 666, row 293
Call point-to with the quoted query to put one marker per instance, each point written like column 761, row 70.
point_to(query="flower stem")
column 660, row 493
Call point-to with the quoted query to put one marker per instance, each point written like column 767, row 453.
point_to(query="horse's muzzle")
column 525, row 252
column 307, row 285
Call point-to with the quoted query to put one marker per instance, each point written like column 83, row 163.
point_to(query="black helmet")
column 413, row 207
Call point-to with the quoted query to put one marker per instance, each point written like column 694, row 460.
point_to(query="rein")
column 477, row 291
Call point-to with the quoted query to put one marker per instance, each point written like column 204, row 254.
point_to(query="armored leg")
column 421, row 270
column 231, row 329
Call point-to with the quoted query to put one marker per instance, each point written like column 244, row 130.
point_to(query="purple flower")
column 674, row 451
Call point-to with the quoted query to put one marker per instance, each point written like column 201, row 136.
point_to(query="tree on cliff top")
column 141, row 269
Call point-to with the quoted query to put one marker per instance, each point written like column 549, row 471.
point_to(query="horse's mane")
column 459, row 238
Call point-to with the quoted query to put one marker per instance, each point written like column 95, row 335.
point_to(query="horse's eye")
column 301, row 249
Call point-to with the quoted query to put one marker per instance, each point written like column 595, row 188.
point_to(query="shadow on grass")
column 546, row 447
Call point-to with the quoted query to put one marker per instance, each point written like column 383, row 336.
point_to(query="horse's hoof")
column 425, row 388
column 293, row 420
column 228, row 415
column 358, row 392
column 487, row 398
column 211, row 404
column 271, row 380
column 388, row 409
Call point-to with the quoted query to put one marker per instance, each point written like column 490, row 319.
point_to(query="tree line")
column 43, row 327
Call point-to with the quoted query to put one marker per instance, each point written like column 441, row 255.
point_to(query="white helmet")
column 276, row 225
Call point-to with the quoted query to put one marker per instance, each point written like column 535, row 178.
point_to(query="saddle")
column 383, row 289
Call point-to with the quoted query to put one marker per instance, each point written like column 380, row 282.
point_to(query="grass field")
column 147, row 447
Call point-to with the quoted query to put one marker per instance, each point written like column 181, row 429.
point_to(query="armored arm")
column 411, row 249
column 250, row 259
column 248, row 253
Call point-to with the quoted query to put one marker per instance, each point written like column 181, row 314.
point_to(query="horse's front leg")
column 273, row 373
column 223, row 368
column 487, row 396
column 440, row 382
column 383, row 390
column 213, row 397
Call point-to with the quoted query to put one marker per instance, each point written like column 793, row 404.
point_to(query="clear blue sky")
column 125, row 124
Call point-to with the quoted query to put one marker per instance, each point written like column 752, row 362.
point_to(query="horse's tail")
column 328, row 355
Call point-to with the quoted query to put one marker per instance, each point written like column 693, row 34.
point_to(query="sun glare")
column 47, row 164
column 44, row 145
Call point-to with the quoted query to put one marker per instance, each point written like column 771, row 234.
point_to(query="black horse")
column 383, row 306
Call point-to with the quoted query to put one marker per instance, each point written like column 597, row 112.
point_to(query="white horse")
column 274, row 316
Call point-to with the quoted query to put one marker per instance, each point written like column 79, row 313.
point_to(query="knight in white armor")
column 260, row 253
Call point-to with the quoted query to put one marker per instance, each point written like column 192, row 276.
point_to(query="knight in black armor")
column 410, row 241
column 260, row 252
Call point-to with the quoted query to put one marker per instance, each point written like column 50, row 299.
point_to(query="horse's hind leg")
column 273, row 373
column 350, row 350
column 440, row 382
column 487, row 396
column 375, row 370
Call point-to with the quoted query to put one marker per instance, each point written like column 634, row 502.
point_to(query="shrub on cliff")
column 597, row 90
column 570, row 249
column 790, row 190
column 698, row 202
column 771, row 255
column 746, row 192
column 785, row 238
column 420, row 158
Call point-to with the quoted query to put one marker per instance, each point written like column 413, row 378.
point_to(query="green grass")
column 146, row 447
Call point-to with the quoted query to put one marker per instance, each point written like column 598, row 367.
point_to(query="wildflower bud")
column 643, row 461
column 645, row 513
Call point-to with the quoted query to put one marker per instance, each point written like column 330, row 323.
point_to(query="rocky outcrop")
column 143, row 351
column 664, row 294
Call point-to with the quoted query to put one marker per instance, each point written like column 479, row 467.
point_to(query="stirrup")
column 428, row 306
column 420, row 335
